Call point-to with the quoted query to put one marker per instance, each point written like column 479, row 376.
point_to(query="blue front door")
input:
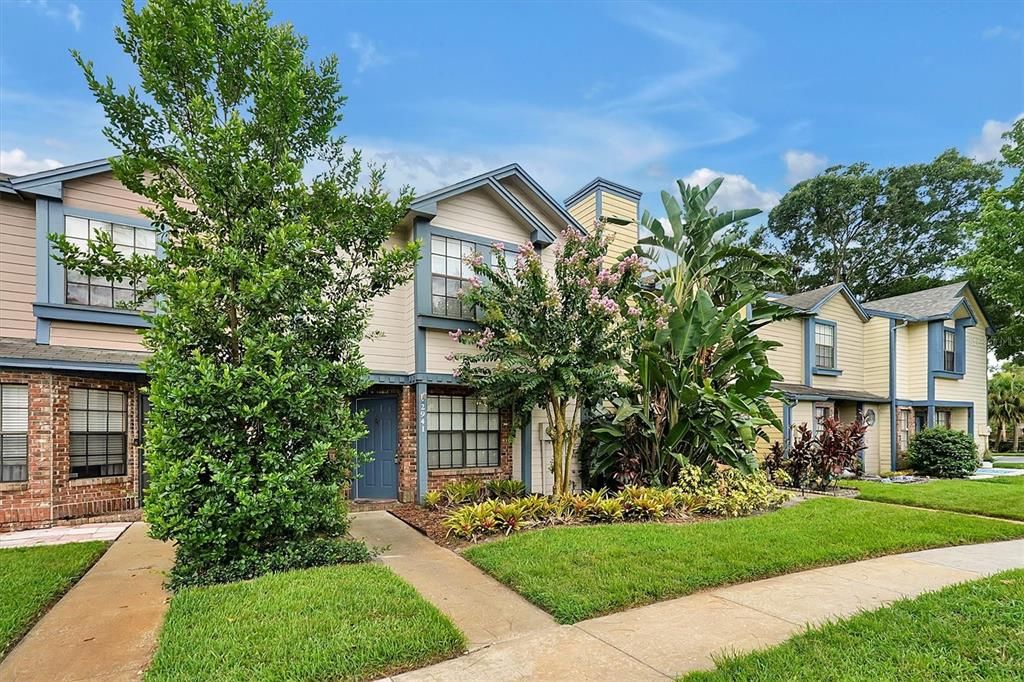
column 378, row 478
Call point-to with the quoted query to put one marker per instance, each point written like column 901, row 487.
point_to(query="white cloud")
column 1000, row 31
column 802, row 165
column 69, row 12
column 737, row 191
column 987, row 146
column 366, row 51
column 17, row 162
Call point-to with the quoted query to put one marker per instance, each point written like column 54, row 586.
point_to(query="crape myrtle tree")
column 550, row 338
column 262, row 289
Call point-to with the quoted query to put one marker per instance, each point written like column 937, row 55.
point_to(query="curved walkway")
column 663, row 640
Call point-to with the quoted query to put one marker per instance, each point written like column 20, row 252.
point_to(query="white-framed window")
column 462, row 432
column 81, row 289
column 904, row 420
column 99, row 432
column 824, row 345
column 448, row 274
column 944, row 418
column 822, row 411
column 949, row 350
column 13, row 432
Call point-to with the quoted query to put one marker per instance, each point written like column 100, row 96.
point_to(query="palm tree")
column 1006, row 404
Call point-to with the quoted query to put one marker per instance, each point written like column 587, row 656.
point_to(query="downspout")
column 893, row 441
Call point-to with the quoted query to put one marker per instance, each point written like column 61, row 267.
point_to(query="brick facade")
column 50, row 495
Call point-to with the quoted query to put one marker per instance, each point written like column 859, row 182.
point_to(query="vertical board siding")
column 17, row 267
column 83, row 335
column 786, row 359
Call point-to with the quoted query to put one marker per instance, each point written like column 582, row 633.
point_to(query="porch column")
column 526, row 454
column 421, row 442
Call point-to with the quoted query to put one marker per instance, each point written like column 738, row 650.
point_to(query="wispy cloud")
column 1000, row 31
column 367, row 54
column 69, row 11
column 737, row 191
column 17, row 162
column 802, row 165
column 988, row 145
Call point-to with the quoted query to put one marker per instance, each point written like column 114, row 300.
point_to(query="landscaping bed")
column 1001, row 497
column 350, row 622
column 972, row 631
column 585, row 571
column 32, row 579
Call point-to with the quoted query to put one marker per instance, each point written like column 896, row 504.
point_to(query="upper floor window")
column 462, row 431
column 99, row 433
column 824, row 345
column 95, row 291
column 13, row 432
column 448, row 274
column 949, row 350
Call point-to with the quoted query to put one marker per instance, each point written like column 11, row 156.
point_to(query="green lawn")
column 973, row 631
column 1002, row 497
column 33, row 578
column 337, row 623
column 579, row 572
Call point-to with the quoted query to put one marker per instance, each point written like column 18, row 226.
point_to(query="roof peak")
column 605, row 185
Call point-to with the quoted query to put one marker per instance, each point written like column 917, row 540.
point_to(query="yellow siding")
column 585, row 211
column 475, row 213
column 620, row 237
column 17, row 267
column 876, row 356
column 787, row 359
column 912, row 362
column 94, row 336
column 803, row 413
column 774, row 435
column 102, row 193
column 849, row 345
column 973, row 387
column 553, row 222
column 883, row 425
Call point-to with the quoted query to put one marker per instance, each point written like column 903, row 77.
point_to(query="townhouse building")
column 71, row 405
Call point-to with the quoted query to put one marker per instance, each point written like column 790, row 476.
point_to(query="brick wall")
column 50, row 494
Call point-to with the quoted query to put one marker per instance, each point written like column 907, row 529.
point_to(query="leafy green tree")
column 699, row 373
column 996, row 265
column 261, row 294
column 884, row 232
column 550, row 339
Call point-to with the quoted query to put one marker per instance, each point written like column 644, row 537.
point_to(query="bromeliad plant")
column 700, row 375
column 553, row 339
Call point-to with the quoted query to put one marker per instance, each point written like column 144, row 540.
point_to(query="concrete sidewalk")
column 59, row 535
column 105, row 627
column 485, row 610
column 666, row 639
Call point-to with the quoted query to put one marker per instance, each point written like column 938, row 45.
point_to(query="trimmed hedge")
column 943, row 453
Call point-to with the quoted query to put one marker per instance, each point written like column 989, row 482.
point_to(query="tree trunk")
column 562, row 433
column 1016, row 437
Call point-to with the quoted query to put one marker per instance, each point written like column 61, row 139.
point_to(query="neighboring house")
column 70, row 406
column 902, row 363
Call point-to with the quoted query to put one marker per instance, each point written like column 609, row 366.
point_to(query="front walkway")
column 105, row 627
column 59, row 535
column 485, row 610
column 666, row 639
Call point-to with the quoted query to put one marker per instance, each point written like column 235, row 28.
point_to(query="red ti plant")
column 817, row 461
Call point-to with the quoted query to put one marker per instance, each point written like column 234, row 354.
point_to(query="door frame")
column 355, row 479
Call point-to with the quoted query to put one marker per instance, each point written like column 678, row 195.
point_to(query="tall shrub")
column 943, row 453
column 261, row 294
column 550, row 339
column 699, row 374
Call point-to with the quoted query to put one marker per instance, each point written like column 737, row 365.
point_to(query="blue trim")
column 524, row 177
column 42, row 332
column 391, row 378
column 130, row 221
column 936, row 403
column 71, row 365
column 91, row 315
column 598, row 206
column 808, row 351
column 54, row 271
column 421, row 442
column 42, row 250
column 445, row 323
column 526, row 455
column 400, row 379
column 437, row 230
column 600, row 183
column 826, row 371
column 851, row 299
column 787, row 425
column 420, row 340
column 62, row 174
column 893, row 416
column 821, row 371
column 970, row 421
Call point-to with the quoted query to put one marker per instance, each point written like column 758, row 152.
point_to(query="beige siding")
column 542, row 477
column 803, row 413
column 973, row 387
column 912, row 362
column 585, row 211
column 477, row 214
column 17, row 267
column 883, row 425
column 787, row 359
column 389, row 345
column 620, row 237
column 544, row 214
column 439, row 346
column 849, row 345
column 763, row 447
column 876, row 356
column 94, row 336
column 104, row 193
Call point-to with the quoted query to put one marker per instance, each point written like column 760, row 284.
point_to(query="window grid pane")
column 99, row 438
column 448, row 274
column 824, row 346
column 13, row 432
column 82, row 289
column 462, row 432
column 949, row 350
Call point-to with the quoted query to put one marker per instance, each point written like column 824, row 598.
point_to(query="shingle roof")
column 806, row 300
column 806, row 392
column 922, row 305
column 27, row 353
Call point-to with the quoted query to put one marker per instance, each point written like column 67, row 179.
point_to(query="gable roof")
column 48, row 182
column 426, row 204
column 606, row 185
column 812, row 301
column 930, row 304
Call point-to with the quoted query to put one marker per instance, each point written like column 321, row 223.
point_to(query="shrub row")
column 455, row 493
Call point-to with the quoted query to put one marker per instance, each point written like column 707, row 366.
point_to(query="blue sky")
column 764, row 93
